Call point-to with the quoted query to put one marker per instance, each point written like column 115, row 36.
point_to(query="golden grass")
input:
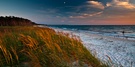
column 42, row 47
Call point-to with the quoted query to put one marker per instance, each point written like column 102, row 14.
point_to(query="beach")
column 115, row 51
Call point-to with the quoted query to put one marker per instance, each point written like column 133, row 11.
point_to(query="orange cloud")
column 85, row 15
column 96, row 4
column 121, row 4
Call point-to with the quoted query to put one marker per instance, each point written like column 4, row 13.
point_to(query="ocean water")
column 106, row 30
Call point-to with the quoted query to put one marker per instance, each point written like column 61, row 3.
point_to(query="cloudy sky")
column 80, row 12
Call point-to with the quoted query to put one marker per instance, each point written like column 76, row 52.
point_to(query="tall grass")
column 42, row 47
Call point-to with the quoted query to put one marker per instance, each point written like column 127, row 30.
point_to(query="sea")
column 120, row 31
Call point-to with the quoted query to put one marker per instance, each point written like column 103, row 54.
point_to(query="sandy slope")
column 120, row 51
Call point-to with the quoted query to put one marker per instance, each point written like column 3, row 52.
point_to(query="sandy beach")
column 117, row 51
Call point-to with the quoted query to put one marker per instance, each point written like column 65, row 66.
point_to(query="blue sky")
column 86, row 12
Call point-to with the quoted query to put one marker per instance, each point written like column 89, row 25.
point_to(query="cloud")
column 93, row 14
column 96, row 4
column 89, row 9
column 124, row 4
column 118, row 9
column 115, row 12
column 86, row 15
column 77, row 17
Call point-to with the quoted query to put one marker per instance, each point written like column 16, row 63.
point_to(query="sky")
column 72, row 12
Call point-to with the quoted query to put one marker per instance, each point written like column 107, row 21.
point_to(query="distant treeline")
column 15, row 21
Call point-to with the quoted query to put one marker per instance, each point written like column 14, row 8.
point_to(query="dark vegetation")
column 15, row 21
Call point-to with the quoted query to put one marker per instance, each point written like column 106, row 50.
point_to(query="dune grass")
column 42, row 47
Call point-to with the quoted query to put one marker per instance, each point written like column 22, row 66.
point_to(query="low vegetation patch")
column 42, row 47
column 15, row 21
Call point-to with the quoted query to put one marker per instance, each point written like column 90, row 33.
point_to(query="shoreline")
column 118, row 50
